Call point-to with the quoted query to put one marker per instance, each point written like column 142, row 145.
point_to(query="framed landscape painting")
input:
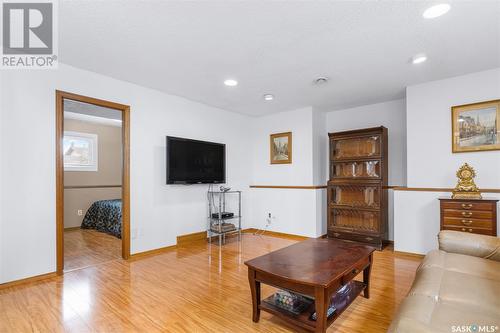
column 476, row 127
column 281, row 148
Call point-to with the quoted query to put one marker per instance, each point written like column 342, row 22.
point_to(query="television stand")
column 220, row 222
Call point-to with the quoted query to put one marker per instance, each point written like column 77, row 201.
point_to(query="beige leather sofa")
column 456, row 288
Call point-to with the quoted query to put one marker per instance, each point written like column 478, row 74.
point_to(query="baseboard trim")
column 202, row 235
column 71, row 228
column 28, row 280
column 181, row 240
column 148, row 253
column 275, row 234
column 409, row 254
column 193, row 237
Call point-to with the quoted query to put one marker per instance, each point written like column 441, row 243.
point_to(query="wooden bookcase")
column 357, row 189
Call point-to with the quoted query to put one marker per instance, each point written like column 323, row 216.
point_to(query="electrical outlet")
column 79, row 212
column 269, row 219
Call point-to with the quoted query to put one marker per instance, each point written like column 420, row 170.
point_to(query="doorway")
column 96, row 212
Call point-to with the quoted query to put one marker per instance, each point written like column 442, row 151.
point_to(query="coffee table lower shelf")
column 303, row 320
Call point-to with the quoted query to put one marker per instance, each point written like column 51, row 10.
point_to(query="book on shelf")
column 290, row 301
column 296, row 303
column 223, row 227
column 331, row 310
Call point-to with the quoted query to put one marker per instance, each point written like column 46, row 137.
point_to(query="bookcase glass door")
column 356, row 169
column 355, row 195
column 359, row 147
column 355, row 220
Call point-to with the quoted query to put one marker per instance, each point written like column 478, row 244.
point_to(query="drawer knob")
column 467, row 214
column 463, row 229
column 336, row 234
column 467, row 222
column 369, row 238
column 470, row 230
column 466, row 206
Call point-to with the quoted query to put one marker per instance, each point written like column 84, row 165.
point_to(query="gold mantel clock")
column 466, row 188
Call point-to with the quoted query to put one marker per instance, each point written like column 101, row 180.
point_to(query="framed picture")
column 476, row 127
column 281, row 148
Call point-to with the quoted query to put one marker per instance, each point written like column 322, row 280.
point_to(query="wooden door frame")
column 125, row 109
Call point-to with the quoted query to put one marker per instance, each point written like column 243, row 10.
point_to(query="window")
column 80, row 151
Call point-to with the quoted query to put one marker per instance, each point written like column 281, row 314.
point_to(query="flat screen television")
column 195, row 162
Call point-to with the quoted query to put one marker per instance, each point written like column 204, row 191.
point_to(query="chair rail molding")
column 295, row 187
column 439, row 189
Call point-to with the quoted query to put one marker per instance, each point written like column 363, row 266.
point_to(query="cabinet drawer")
column 340, row 233
column 471, row 230
column 358, row 268
column 467, row 222
column 468, row 205
column 468, row 214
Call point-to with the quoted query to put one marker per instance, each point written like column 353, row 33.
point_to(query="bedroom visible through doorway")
column 92, row 182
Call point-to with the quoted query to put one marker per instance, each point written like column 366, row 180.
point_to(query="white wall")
column 303, row 212
column 429, row 130
column 417, row 223
column 1, row 183
column 320, row 146
column 158, row 212
column 390, row 114
column 417, row 220
column 300, row 172
column 294, row 211
column 430, row 160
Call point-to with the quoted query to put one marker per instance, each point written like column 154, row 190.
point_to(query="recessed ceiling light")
column 436, row 11
column 268, row 97
column 321, row 80
column 419, row 58
column 231, row 83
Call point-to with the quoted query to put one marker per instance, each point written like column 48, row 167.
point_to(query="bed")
column 105, row 216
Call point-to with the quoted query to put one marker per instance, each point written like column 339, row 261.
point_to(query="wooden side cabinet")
column 478, row 216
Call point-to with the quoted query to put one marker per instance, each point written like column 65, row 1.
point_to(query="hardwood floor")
column 85, row 247
column 192, row 288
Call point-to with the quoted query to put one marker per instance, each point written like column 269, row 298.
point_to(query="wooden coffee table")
column 315, row 268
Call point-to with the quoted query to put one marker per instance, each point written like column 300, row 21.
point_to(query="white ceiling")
column 188, row 48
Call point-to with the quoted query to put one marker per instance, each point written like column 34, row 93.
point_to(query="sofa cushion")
column 462, row 263
column 475, row 245
column 422, row 314
column 451, row 290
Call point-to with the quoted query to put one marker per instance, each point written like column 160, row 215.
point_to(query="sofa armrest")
column 482, row 246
